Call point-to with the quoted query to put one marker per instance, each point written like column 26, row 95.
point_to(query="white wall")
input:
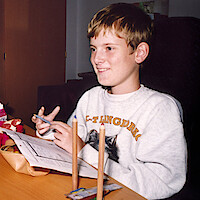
column 71, row 38
column 80, row 12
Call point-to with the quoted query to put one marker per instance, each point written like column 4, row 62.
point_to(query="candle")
column 101, row 162
column 74, row 155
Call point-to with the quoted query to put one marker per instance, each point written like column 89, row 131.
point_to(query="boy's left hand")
column 63, row 136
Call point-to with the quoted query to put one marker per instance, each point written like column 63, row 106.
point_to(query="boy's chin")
column 103, row 83
column 105, row 86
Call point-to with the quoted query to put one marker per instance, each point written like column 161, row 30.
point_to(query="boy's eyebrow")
column 91, row 45
column 106, row 44
column 111, row 44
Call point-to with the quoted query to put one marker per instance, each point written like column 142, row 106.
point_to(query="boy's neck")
column 126, row 90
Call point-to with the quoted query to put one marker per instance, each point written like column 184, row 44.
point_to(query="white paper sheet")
column 46, row 154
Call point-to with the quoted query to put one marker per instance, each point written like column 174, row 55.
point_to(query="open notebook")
column 46, row 154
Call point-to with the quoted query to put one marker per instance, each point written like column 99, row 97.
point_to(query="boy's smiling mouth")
column 102, row 69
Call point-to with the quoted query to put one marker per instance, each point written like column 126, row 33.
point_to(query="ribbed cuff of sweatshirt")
column 49, row 135
column 91, row 155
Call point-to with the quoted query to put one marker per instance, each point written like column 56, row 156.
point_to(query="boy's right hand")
column 41, row 126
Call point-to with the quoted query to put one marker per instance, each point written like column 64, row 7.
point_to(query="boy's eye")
column 109, row 48
column 92, row 49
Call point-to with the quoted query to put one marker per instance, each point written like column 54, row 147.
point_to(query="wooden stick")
column 101, row 162
column 74, row 154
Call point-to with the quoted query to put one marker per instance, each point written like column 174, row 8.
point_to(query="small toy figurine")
column 3, row 115
column 13, row 124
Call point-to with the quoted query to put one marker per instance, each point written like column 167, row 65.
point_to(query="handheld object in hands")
column 44, row 120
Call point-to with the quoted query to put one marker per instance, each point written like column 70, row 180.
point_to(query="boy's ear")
column 141, row 52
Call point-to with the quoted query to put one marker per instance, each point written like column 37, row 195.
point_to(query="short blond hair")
column 127, row 21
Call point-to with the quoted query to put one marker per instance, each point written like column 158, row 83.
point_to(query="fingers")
column 40, row 113
column 63, row 135
column 53, row 114
column 63, row 131
column 34, row 119
column 58, row 125
column 42, row 127
column 49, row 117
column 39, row 123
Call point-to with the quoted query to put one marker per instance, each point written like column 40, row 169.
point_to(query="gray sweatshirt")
column 146, row 148
column 145, row 144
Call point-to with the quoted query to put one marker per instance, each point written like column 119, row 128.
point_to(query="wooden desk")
column 53, row 186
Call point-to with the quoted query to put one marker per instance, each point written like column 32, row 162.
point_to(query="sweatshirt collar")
column 122, row 97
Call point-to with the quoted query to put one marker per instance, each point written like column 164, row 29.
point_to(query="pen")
column 42, row 119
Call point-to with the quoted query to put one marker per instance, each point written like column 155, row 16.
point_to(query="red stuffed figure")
column 13, row 124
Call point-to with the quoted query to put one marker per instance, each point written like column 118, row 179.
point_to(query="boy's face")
column 114, row 63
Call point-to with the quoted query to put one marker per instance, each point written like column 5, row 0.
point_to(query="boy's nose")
column 99, row 57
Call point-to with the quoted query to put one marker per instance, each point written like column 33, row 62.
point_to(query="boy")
column 145, row 145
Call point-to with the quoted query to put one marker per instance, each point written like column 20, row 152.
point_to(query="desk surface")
column 52, row 186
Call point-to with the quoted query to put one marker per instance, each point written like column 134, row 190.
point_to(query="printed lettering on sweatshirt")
column 117, row 121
